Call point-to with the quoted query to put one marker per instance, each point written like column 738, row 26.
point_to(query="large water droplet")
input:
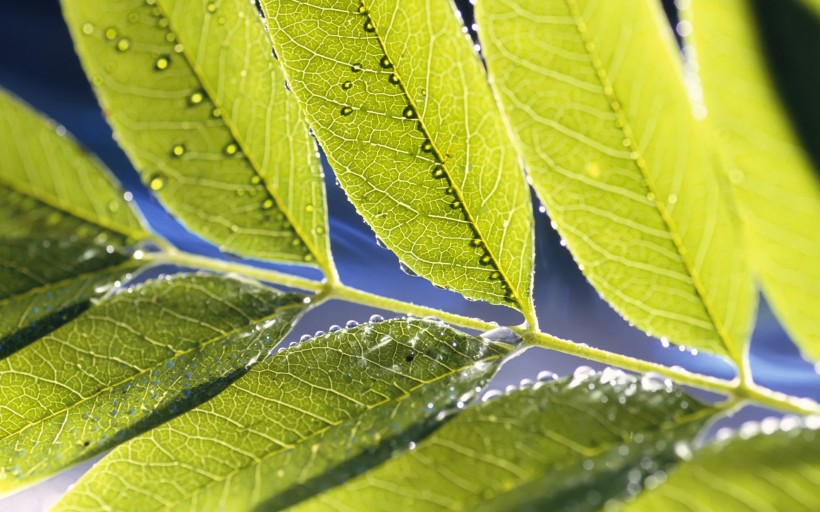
column 157, row 181
column 178, row 150
column 123, row 45
column 376, row 318
column 162, row 63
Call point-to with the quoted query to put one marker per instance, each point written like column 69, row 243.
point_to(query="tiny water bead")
column 438, row 171
column 455, row 205
column 162, row 63
column 485, row 260
column 394, row 78
column 123, row 45
column 369, row 26
column 196, row 98
column 362, row 9
column 256, row 180
column 409, row 112
column 385, row 62
column 157, row 182
column 427, row 146
column 346, row 111
column 110, row 33
column 211, row 7
column 309, row 208
column 231, row 149
column 356, row 68
column 88, row 29
column 178, row 150
column 267, row 204
column 347, row 85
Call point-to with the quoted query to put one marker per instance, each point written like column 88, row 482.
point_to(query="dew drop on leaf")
column 231, row 149
column 88, row 29
column 157, row 181
column 385, row 62
column 111, row 33
column 409, row 112
column 346, row 111
column 211, row 7
column 162, row 63
column 123, row 45
column 347, row 85
column 357, row 67
column 178, row 150
column 196, row 98
column 438, row 171
column 267, row 204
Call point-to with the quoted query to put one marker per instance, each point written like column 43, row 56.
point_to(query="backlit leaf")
column 199, row 104
column 776, row 187
column 594, row 94
column 775, row 471
column 401, row 106
column 129, row 363
column 66, row 229
column 568, row 445
column 306, row 419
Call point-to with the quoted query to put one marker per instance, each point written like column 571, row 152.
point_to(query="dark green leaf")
column 305, row 419
column 129, row 363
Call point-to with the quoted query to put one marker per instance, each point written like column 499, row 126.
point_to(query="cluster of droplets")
column 438, row 169
column 198, row 98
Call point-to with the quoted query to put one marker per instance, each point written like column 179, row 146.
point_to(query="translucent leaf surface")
column 129, row 363
column 308, row 418
column 776, row 187
column 571, row 444
column 401, row 106
column 594, row 94
column 66, row 229
column 774, row 471
column 198, row 103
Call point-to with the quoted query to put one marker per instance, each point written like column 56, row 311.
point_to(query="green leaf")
column 198, row 103
column 776, row 471
column 775, row 184
column 401, row 106
column 571, row 444
column 301, row 421
column 66, row 229
column 129, row 363
column 594, row 95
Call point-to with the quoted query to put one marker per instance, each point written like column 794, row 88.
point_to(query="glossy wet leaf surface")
column 401, row 106
column 778, row 470
column 66, row 230
column 127, row 364
column 306, row 419
column 199, row 104
column 569, row 444
column 594, row 94
column 775, row 184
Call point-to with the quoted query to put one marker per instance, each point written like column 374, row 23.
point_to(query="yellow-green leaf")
column 304, row 420
column 199, row 104
column 775, row 184
column 594, row 95
column 131, row 362
column 66, row 230
column 778, row 470
column 400, row 104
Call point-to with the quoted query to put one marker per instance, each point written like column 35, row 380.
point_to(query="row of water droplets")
column 438, row 170
column 198, row 98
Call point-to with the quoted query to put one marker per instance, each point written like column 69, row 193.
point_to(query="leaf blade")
column 293, row 419
column 128, row 364
column 780, row 215
column 224, row 147
column 774, row 471
column 552, row 447
column 426, row 164
column 613, row 151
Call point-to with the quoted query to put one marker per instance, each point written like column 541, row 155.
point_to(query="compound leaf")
column 131, row 362
column 400, row 104
column 307, row 418
column 595, row 97
column 199, row 104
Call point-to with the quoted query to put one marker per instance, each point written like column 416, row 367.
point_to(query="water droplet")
column 267, row 204
column 157, row 182
column 196, row 98
column 163, row 22
column 424, row 92
column 133, row 17
column 652, row 381
column 319, row 333
column 376, row 318
column 309, row 208
column 178, row 48
column 438, row 171
column 494, row 275
column 162, row 63
column 178, row 150
column 347, row 85
column 407, row 270
column 385, row 62
column 502, row 335
column 485, row 260
column 369, row 26
column 394, row 78
column 111, row 33
column 545, row 375
column 476, row 242
column 88, row 29
column 334, row 328
column 221, row 20
column 409, row 112
column 455, row 205
column 305, row 337
column 357, row 67
column 170, row 37
column 672, row 199
column 346, row 111
column 211, row 7
column 650, row 196
column 232, row 149
column 123, row 45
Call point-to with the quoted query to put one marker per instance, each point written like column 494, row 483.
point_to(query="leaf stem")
column 736, row 389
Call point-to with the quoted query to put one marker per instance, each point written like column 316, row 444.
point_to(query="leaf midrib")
column 258, row 461
column 626, row 129
column 176, row 355
column 227, row 120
